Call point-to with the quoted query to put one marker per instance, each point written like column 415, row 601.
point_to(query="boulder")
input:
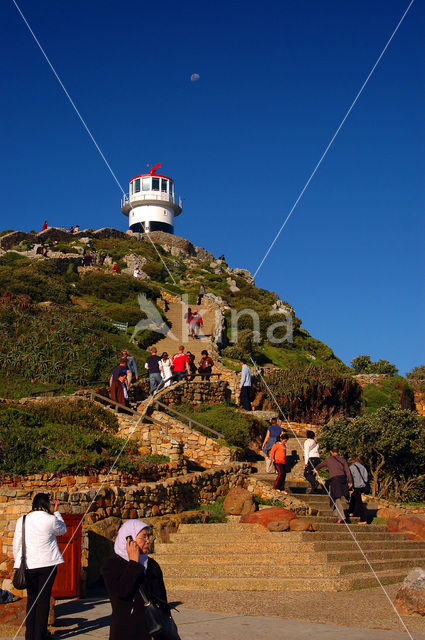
column 283, row 525
column 410, row 598
column 238, row 502
column 413, row 525
column 266, row 516
column 388, row 512
column 299, row 525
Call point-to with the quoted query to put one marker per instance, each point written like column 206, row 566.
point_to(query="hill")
column 57, row 317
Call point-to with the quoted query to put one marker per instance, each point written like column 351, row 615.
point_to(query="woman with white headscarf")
column 127, row 570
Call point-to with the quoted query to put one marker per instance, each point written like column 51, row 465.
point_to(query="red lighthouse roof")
column 152, row 172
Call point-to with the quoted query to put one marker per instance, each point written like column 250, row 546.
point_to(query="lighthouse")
column 150, row 203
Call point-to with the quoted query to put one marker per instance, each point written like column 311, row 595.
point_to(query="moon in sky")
column 194, row 77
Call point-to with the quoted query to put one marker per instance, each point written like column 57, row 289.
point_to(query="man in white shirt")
column 245, row 387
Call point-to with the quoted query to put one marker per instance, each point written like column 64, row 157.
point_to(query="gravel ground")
column 365, row 608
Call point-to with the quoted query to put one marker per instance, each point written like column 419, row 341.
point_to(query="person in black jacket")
column 127, row 570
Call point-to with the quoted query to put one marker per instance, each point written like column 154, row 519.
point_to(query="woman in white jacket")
column 42, row 556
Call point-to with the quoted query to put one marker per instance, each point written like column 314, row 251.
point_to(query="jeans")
column 154, row 380
column 281, row 476
column 245, row 398
column 39, row 587
column 308, row 472
column 356, row 504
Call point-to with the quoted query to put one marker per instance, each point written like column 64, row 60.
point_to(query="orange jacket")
column 278, row 453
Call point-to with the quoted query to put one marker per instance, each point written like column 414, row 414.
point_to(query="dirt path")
column 365, row 608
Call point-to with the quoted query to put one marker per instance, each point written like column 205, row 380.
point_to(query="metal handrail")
column 190, row 420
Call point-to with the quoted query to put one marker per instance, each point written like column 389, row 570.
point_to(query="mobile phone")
column 129, row 538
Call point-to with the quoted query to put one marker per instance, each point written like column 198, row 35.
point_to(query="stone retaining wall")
column 143, row 500
column 177, row 441
column 420, row 402
column 370, row 378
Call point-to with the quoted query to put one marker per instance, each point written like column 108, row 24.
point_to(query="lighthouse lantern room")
column 150, row 204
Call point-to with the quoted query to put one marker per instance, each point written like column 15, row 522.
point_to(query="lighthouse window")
column 155, row 184
column 171, row 188
column 137, row 185
column 146, row 184
column 164, row 185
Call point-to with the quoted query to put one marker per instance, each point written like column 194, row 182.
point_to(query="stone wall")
column 143, row 500
column 177, row 440
column 65, row 481
column 370, row 378
column 420, row 402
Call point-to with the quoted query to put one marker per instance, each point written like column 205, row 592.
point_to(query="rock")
column 413, row 525
column 410, row 598
column 283, row 525
column 244, row 273
column 266, row 516
column 299, row 525
column 238, row 501
column 388, row 512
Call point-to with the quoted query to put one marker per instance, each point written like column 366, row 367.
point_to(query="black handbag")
column 159, row 621
column 19, row 580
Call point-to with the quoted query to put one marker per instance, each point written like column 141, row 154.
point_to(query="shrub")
column 363, row 364
column 235, row 427
column 390, row 392
column 54, row 346
column 416, row 378
column 114, row 288
column 56, row 438
column 314, row 394
column 35, row 278
column 391, row 442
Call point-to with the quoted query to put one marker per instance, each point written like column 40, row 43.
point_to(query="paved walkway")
column 89, row 619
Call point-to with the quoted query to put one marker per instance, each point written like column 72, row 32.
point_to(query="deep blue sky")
column 276, row 78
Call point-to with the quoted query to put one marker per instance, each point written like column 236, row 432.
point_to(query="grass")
column 16, row 387
column 387, row 394
column 215, row 511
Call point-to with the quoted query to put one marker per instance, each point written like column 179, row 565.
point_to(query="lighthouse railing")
column 165, row 197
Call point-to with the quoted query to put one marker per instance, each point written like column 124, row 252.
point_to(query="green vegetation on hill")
column 390, row 392
column 391, row 443
column 314, row 394
column 236, row 428
column 68, row 436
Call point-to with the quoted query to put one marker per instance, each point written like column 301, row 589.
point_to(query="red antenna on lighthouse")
column 154, row 168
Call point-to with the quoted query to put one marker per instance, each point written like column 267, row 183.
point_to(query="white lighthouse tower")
column 150, row 204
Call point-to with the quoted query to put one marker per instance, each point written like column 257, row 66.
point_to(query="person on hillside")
column 152, row 365
column 44, row 227
column 195, row 324
column 245, row 387
column 87, row 260
column 136, row 273
column 119, row 391
column 180, row 364
column 77, row 228
column 132, row 366
column 272, row 436
column 341, row 481
column 278, row 456
column 42, row 525
column 124, row 573
column 166, row 369
column 115, row 268
column 206, row 364
column 118, row 370
column 71, row 230
column 311, row 460
column 360, row 477
column 40, row 251
column 188, row 317
column 192, row 365
column 200, row 294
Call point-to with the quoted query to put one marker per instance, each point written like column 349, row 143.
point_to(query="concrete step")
column 351, row 558
column 284, row 544
column 273, row 584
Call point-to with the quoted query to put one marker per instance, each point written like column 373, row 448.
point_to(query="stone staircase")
column 175, row 318
column 245, row 557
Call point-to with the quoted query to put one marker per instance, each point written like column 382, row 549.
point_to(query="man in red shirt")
column 180, row 363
